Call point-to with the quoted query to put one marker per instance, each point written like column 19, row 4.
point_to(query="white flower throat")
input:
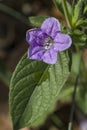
column 48, row 43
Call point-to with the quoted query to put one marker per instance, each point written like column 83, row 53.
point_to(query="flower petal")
column 50, row 57
column 51, row 26
column 62, row 42
column 32, row 34
column 35, row 37
column 35, row 53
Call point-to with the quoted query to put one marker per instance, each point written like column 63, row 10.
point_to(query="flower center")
column 48, row 42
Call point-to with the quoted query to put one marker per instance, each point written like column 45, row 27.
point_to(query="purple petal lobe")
column 32, row 34
column 50, row 57
column 35, row 37
column 35, row 53
column 62, row 42
column 51, row 26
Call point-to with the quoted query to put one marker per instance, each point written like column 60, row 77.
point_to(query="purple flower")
column 45, row 42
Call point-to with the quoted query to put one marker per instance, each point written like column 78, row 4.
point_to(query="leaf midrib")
column 32, row 93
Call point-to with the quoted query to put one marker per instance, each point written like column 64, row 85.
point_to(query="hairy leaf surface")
column 34, row 90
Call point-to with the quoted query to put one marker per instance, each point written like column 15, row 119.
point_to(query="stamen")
column 48, row 42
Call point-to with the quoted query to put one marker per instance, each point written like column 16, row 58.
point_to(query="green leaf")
column 77, row 32
column 77, row 12
column 58, row 4
column 82, row 23
column 85, row 9
column 37, row 20
column 34, row 90
column 65, row 8
column 80, row 40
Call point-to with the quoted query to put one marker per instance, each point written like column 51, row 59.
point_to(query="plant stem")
column 74, row 97
column 73, row 103
column 66, row 12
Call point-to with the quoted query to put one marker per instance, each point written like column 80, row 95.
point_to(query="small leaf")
column 58, row 4
column 37, row 20
column 34, row 90
column 80, row 40
column 85, row 9
column 77, row 12
column 82, row 23
column 77, row 32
